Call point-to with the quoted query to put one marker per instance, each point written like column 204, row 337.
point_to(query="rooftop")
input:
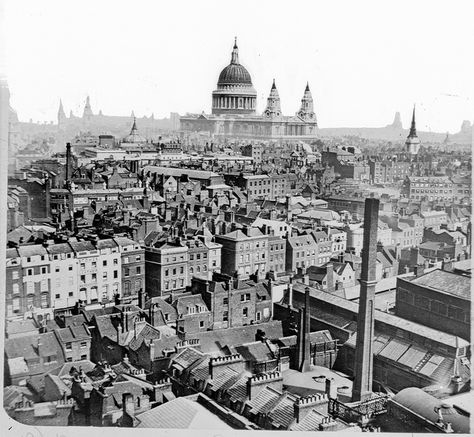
column 446, row 282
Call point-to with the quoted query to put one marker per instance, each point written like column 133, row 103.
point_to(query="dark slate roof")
column 214, row 341
column 446, row 282
column 73, row 333
column 58, row 248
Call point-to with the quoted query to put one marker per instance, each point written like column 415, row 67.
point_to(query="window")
column 191, row 257
column 84, row 357
column 70, row 294
column 201, row 324
column 83, row 344
column 174, row 272
column 58, row 296
column 44, row 300
column 126, row 272
column 181, row 270
column 104, row 263
column 69, row 268
column 94, row 276
column 115, row 274
column 115, row 261
column 245, row 312
column 44, row 285
column 15, row 289
column 16, row 304
column 258, row 316
column 104, row 275
column 15, row 275
column 29, row 272
column 225, row 301
column 225, row 316
column 166, row 316
column 69, row 346
column 69, row 359
column 94, row 264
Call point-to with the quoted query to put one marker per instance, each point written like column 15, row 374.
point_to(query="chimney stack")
column 363, row 367
column 304, row 330
column 68, row 164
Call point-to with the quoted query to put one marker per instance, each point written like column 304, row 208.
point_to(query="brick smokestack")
column 363, row 367
column 304, row 344
column 68, row 164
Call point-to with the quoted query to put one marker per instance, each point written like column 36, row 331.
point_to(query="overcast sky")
column 364, row 60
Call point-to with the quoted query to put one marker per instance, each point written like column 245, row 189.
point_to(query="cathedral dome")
column 235, row 93
column 234, row 74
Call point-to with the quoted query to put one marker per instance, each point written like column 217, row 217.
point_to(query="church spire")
column 413, row 125
column 87, row 108
column 412, row 144
column 307, row 87
column 61, row 113
column 235, row 53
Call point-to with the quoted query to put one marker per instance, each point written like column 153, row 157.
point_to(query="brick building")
column 132, row 260
column 166, row 267
column 235, row 302
column 244, row 252
column 437, row 298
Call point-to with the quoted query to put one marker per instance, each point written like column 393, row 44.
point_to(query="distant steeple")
column 87, row 108
column 413, row 125
column 235, row 53
column 61, row 113
column 412, row 144
column 307, row 87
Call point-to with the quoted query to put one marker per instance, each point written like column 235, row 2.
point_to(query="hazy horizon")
column 364, row 60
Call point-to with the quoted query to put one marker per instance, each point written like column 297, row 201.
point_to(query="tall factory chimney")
column 304, row 338
column 68, row 164
column 363, row 367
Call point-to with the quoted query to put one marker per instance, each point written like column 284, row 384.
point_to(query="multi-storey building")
column 261, row 186
column 204, row 258
column 132, row 257
column 36, row 277
column 434, row 219
column 338, row 239
column 462, row 187
column 244, row 252
column 311, row 249
column 15, row 299
column 64, row 276
column 253, row 150
column 234, row 302
column 276, row 254
column 57, row 276
column 406, row 231
column 87, row 257
column 435, row 299
column 432, row 188
column 166, row 267
column 324, row 245
column 383, row 172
